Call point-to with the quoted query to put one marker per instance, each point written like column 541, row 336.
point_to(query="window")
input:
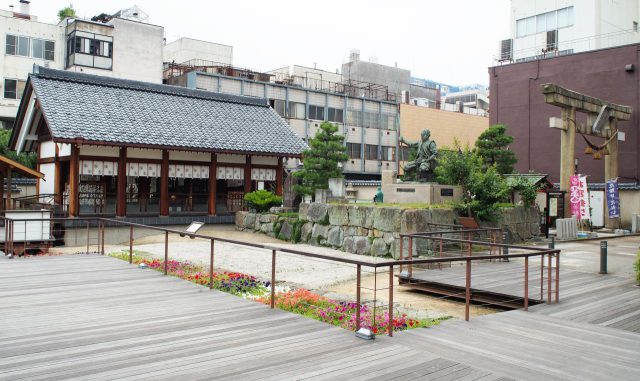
column 277, row 105
column 354, row 150
column 544, row 22
column 336, row 115
column 635, row 26
column 316, row 112
column 404, row 153
column 296, row 110
column 42, row 49
column 388, row 153
column 94, row 47
column 23, row 46
column 565, row 17
column 11, row 44
column 354, row 118
column 13, row 88
column 371, row 152
column 371, row 119
column 102, row 48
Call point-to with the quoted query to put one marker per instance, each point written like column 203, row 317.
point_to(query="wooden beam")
column 279, row 176
column 247, row 175
column 2, row 191
column 213, row 172
column 164, row 184
column 562, row 97
column 121, row 198
column 74, row 180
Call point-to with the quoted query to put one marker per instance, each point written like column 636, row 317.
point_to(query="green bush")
column 262, row 200
column 636, row 266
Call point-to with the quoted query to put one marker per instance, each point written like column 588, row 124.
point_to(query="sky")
column 452, row 42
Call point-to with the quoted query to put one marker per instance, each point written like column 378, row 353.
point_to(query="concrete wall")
column 395, row 78
column 444, row 125
column 137, row 50
column 184, row 49
column 516, row 100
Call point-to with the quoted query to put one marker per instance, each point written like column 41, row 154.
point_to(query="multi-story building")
column 26, row 42
column 366, row 113
column 123, row 45
column 544, row 28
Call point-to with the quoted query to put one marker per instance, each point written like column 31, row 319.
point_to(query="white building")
column 26, row 42
column 544, row 28
column 187, row 49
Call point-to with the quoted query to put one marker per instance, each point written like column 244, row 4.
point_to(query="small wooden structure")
column 7, row 167
column 602, row 122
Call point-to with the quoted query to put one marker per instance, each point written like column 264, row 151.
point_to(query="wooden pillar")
column 279, row 182
column 567, row 153
column 9, row 186
column 2, row 191
column 164, row 184
column 247, row 175
column 611, row 171
column 213, row 172
column 74, row 180
column 121, row 198
column 57, row 183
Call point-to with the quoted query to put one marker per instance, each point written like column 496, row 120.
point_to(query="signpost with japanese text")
column 613, row 199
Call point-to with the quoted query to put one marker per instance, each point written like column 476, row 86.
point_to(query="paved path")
column 90, row 317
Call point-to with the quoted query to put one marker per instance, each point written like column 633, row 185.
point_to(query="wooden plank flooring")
column 92, row 318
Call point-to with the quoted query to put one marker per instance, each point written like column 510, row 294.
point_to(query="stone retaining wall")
column 369, row 230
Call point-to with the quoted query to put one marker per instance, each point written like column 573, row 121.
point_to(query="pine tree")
column 320, row 161
column 493, row 147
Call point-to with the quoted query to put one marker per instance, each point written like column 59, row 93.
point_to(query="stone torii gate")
column 602, row 122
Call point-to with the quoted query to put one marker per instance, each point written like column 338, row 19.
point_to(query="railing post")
column 526, row 283
column 469, row 248
column 410, row 256
column 87, row 235
column 103, row 229
column 401, row 256
column 166, row 251
column 273, row 278
column 467, row 298
column 542, row 277
column 131, row 244
column 358, row 279
column 549, row 279
column 24, row 249
column 557, row 276
column 391, row 300
column 211, row 266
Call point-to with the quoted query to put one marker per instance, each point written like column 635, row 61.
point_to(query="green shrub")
column 262, row 200
column 636, row 266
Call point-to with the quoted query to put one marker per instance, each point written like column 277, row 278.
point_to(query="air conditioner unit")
column 506, row 50
column 552, row 40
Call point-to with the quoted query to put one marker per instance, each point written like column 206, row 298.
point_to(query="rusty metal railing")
column 9, row 247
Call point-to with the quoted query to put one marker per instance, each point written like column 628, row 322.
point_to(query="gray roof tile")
column 118, row 111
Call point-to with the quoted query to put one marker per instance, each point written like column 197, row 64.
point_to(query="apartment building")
column 366, row 113
column 123, row 45
column 549, row 28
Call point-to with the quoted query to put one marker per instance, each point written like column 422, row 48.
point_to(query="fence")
column 88, row 235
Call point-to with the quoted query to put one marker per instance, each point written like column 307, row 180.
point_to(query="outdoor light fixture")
column 588, row 151
column 365, row 334
column 192, row 229
column 142, row 266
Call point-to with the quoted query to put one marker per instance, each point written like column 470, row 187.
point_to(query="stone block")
column 335, row 236
column 265, row 218
column 348, row 245
column 387, row 219
column 358, row 215
column 286, row 230
column 361, row 245
column 302, row 210
column 318, row 212
column 379, row 248
column 266, row 227
column 388, row 238
column 338, row 215
column 319, row 234
column 305, row 232
column 239, row 218
column 245, row 220
column 377, row 233
column 415, row 221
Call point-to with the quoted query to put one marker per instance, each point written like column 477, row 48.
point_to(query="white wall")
column 185, row 49
column 137, row 50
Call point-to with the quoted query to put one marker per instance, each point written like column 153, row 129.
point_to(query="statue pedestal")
column 396, row 192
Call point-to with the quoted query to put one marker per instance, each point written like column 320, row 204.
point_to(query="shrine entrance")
column 601, row 122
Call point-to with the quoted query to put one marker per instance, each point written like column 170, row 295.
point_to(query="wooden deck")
column 90, row 317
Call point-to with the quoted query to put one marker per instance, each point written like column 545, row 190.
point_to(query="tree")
column 482, row 188
column 320, row 161
column 493, row 148
column 27, row 159
column 66, row 12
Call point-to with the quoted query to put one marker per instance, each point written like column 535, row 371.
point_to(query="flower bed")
column 301, row 301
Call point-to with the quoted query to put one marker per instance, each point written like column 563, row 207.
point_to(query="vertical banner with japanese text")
column 613, row 199
column 585, row 209
column 574, row 195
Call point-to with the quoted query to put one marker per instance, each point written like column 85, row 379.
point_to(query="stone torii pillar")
column 602, row 122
